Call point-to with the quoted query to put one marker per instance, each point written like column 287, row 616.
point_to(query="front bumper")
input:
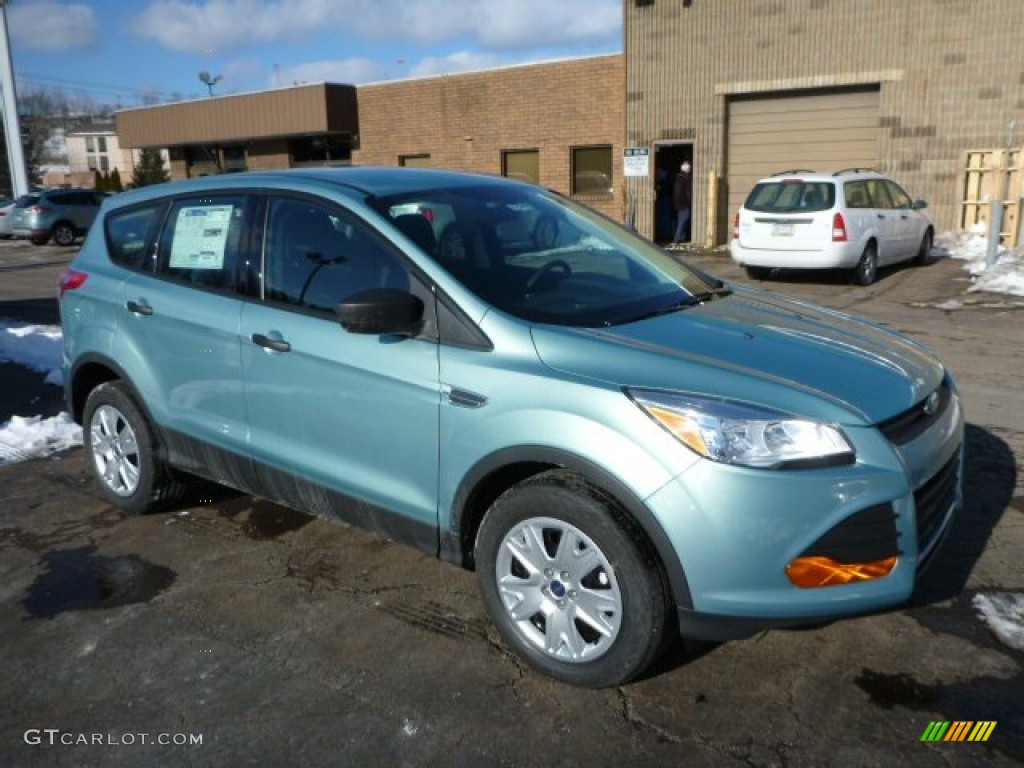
column 737, row 530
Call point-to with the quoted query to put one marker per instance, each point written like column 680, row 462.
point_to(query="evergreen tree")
column 114, row 184
column 150, row 169
column 98, row 182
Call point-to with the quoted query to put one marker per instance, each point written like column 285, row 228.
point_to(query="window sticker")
column 200, row 237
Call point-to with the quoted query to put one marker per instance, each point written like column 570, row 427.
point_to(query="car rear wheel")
column 867, row 268
column 758, row 273
column 120, row 444
column 924, row 253
column 63, row 233
column 570, row 583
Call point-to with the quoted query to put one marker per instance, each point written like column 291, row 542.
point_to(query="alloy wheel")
column 115, row 450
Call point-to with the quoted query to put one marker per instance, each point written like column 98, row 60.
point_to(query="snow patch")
column 1003, row 614
column 30, row 437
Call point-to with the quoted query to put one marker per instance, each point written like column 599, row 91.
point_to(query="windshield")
column 544, row 258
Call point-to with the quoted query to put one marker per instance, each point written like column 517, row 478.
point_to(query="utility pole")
column 12, row 126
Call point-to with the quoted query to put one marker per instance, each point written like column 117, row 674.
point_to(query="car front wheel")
column 119, row 442
column 867, row 268
column 570, row 583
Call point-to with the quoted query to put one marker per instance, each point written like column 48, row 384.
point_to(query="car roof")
column 368, row 180
column 808, row 175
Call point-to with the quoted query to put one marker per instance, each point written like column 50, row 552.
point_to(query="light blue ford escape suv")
column 621, row 446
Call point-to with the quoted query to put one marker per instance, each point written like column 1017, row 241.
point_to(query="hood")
column 759, row 348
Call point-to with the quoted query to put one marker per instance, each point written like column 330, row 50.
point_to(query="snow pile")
column 31, row 437
column 1004, row 615
column 33, row 346
column 1004, row 275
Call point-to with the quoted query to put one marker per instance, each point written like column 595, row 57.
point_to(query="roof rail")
column 795, row 170
column 854, row 170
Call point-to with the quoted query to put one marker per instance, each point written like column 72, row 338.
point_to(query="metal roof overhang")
column 300, row 110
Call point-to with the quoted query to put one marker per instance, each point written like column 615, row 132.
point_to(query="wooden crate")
column 993, row 174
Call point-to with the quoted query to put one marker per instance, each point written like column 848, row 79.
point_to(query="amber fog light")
column 813, row 572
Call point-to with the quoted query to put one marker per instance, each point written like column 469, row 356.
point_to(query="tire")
column 866, row 270
column 924, row 253
column 570, row 583
column 119, row 442
column 758, row 273
column 63, row 234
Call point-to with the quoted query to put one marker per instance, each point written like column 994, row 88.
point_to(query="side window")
column 857, row 194
column 127, row 233
column 318, row 256
column 900, row 199
column 879, row 194
column 202, row 240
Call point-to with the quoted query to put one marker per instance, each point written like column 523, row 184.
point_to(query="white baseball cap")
column 685, row 166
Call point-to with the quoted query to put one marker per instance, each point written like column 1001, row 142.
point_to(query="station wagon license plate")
column 782, row 229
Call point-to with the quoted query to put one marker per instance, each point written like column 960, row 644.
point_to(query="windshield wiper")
column 720, row 289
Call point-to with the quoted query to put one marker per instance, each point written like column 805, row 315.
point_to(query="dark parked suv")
column 63, row 214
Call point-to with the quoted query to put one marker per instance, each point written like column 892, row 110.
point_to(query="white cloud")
column 495, row 25
column 352, row 71
column 462, row 61
column 52, row 26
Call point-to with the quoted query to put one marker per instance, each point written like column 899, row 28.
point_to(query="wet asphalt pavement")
column 272, row 638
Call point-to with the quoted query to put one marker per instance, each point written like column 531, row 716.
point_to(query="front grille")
column 914, row 421
column 864, row 537
column 932, row 502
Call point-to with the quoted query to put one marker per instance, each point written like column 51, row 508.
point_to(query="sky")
column 131, row 52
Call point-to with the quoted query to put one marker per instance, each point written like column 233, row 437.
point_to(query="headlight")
column 747, row 435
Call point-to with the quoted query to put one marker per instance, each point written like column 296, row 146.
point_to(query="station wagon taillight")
column 37, row 210
column 69, row 280
column 736, row 227
column 839, row 229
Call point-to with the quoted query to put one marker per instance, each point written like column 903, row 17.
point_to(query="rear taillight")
column 736, row 227
column 37, row 209
column 839, row 229
column 69, row 280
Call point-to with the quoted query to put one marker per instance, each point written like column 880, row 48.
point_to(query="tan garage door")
column 820, row 132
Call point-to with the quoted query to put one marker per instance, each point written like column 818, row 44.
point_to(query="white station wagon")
column 855, row 219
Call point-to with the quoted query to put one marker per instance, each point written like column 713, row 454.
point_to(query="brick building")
column 746, row 88
column 559, row 124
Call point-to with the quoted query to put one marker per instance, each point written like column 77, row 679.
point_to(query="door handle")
column 881, row 215
column 139, row 309
column 269, row 343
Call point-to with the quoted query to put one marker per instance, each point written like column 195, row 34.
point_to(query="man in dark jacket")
column 682, row 201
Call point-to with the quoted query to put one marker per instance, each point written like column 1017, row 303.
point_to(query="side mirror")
column 381, row 311
column 917, row 205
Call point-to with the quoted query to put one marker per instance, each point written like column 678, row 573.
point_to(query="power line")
column 85, row 86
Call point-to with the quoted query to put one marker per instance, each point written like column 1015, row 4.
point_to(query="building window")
column 320, row 150
column 521, row 165
column 414, row 161
column 104, row 163
column 91, row 160
column 591, row 170
column 101, row 143
column 234, row 159
column 90, row 143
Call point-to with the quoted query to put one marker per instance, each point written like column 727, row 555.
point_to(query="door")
column 887, row 221
column 187, row 316
column 328, row 409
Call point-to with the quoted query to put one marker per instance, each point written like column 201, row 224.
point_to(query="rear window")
column 26, row 201
column 791, row 195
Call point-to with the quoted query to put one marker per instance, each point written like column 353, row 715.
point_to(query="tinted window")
column 26, row 201
column 791, row 195
column 128, row 232
column 202, row 240
column 317, row 256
